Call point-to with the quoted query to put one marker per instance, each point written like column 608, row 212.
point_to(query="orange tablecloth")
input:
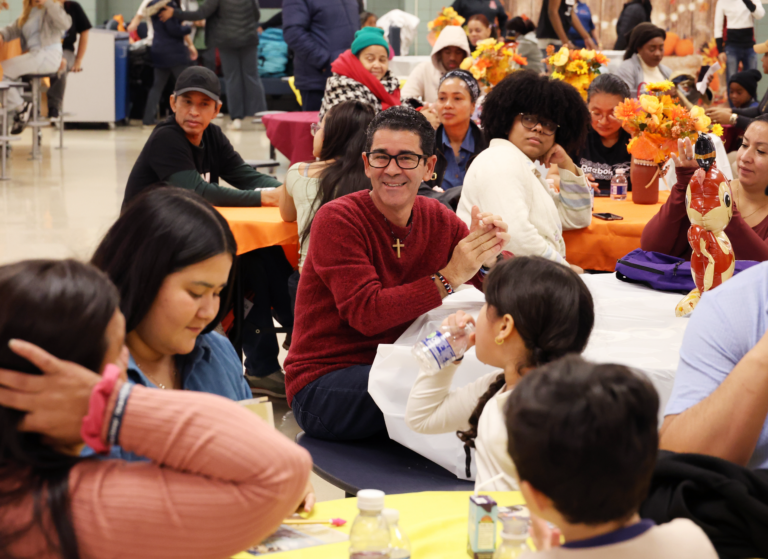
column 602, row 243
column 262, row 227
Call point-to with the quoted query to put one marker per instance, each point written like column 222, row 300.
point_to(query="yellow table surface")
column 435, row 522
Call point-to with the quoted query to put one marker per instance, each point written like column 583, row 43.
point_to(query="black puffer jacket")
column 229, row 24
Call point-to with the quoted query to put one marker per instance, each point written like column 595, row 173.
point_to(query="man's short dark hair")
column 529, row 93
column 586, row 436
column 403, row 118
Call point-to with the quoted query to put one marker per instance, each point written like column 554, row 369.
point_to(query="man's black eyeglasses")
column 406, row 161
column 547, row 126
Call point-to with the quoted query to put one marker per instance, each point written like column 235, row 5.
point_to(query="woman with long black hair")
column 218, row 478
column 339, row 141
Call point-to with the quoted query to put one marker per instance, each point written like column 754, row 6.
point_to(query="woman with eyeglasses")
column 606, row 147
column 528, row 118
column 339, row 141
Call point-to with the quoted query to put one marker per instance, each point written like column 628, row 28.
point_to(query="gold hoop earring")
column 499, row 341
column 434, row 177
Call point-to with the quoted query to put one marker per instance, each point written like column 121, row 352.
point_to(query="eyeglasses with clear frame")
column 548, row 127
column 406, row 161
column 597, row 117
column 315, row 127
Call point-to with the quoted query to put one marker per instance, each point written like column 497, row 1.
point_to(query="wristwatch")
column 734, row 118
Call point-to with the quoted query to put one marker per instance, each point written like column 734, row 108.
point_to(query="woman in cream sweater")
column 526, row 118
column 535, row 312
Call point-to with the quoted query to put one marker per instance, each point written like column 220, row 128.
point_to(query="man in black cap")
column 187, row 151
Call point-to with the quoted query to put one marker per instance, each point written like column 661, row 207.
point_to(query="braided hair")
column 553, row 312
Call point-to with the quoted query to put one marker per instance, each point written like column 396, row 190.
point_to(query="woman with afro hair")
column 528, row 118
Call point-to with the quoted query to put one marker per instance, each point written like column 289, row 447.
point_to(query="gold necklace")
column 754, row 212
column 153, row 379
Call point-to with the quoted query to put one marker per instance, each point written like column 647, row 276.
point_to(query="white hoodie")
column 425, row 78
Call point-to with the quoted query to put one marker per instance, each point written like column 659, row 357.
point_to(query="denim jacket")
column 212, row 366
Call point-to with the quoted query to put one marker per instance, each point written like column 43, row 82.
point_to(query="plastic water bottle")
column 619, row 185
column 514, row 536
column 369, row 537
column 401, row 545
column 442, row 347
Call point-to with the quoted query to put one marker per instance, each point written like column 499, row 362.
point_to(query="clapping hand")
column 486, row 239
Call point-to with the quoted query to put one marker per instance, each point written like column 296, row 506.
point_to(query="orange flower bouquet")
column 576, row 67
column 656, row 121
column 492, row 61
column 446, row 17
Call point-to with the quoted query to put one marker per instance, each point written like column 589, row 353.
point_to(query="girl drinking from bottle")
column 536, row 311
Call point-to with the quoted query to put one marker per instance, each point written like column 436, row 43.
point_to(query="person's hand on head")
column 557, row 155
column 685, row 156
column 720, row 115
column 56, row 401
column 165, row 14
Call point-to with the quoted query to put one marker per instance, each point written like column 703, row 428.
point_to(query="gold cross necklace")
column 398, row 244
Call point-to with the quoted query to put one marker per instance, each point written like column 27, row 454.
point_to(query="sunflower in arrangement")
column 492, row 61
column 575, row 67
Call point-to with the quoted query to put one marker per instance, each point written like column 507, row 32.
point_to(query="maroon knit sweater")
column 667, row 232
column 354, row 293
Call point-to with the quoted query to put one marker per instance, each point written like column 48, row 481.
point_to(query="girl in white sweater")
column 536, row 311
column 526, row 118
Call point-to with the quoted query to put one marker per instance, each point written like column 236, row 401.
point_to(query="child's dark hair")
column 553, row 313
column 586, row 436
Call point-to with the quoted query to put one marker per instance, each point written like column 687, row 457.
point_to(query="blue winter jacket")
column 318, row 31
column 168, row 48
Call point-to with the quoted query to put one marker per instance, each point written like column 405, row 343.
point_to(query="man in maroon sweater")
column 378, row 260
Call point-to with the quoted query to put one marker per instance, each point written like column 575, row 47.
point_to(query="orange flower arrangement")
column 575, row 67
column 446, row 17
column 493, row 61
column 656, row 121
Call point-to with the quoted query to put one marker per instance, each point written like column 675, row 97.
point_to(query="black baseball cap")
column 198, row 78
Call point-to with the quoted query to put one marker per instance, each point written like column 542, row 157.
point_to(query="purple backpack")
column 661, row 271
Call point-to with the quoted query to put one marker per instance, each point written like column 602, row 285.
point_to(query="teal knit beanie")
column 368, row 36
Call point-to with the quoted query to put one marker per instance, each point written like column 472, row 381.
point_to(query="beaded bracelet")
column 444, row 281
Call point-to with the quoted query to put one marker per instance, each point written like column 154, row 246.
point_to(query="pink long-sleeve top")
column 667, row 231
column 219, row 481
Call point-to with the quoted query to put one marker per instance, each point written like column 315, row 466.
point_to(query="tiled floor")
column 61, row 207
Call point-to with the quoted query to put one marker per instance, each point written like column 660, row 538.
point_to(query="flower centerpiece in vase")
column 446, row 17
column 576, row 67
column 492, row 61
column 656, row 121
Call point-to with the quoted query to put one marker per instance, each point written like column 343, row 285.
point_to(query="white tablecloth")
column 634, row 326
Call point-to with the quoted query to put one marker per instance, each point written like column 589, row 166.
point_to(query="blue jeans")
column 337, row 406
column 245, row 93
column 746, row 56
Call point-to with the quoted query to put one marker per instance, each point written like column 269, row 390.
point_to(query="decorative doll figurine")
column 710, row 208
